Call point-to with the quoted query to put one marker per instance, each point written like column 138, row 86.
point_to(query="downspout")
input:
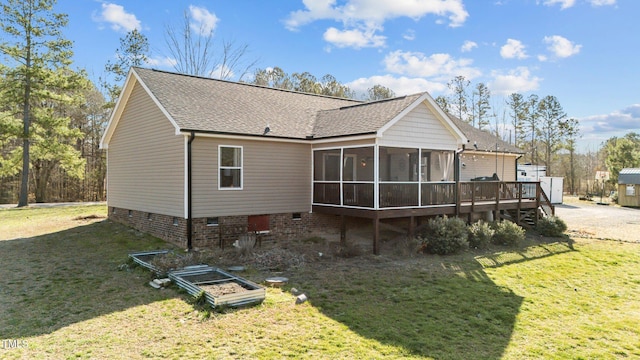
column 189, row 194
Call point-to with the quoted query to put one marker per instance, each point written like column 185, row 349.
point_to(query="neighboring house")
column 629, row 187
column 199, row 161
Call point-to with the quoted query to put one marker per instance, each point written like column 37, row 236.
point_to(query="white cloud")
column 368, row 16
column 440, row 67
column 162, row 62
column 561, row 47
column 624, row 120
column 353, row 38
column 204, row 22
column 602, row 2
column 356, row 11
column 400, row 85
column 564, row 4
column 119, row 19
column 409, row 35
column 597, row 129
column 513, row 49
column 222, row 72
column 468, row 46
column 515, row 80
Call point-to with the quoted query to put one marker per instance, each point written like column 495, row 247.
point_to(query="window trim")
column 220, row 167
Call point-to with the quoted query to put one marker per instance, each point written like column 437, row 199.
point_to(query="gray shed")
column 629, row 187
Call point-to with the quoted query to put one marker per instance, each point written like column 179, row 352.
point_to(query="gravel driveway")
column 587, row 219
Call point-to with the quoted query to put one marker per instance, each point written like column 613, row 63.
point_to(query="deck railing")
column 413, row 194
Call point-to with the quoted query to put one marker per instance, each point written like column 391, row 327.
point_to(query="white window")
column 230, row 167
column 631, row 190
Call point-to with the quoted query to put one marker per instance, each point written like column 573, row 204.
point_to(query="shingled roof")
column 483, row 139
column 224, row 107
column 211, row 105
column 364, row 118
column 629, row 176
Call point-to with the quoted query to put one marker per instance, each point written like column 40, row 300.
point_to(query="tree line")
column 52, row 116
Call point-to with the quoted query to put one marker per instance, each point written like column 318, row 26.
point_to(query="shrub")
column 278, row 259
column 348, row 250
column 551, row 226
column 480, row 234
column 245, row 244
column 444, row 235
column 507, row 233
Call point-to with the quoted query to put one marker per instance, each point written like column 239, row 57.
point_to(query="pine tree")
column 459, row 100
column 482, row 106
column 518, row 114
column 36, row 50
column 552, row 117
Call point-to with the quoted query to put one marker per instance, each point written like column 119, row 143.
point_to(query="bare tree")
column 194, row 52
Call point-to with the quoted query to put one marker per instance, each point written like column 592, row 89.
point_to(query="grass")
column 66, row 291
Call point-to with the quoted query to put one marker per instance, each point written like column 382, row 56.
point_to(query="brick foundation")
column 282, row 227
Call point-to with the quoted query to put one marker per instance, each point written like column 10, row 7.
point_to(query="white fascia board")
column 244, row 137
column 117, row 111
column 344, row 139
column 123, row 99
column 185, row 189
column 159, row 105
column 282, row 140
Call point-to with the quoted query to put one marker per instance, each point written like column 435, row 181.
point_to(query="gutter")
column 192, row 137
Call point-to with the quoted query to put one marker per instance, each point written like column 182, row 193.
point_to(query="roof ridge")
column 248, row 84
column 375, row 102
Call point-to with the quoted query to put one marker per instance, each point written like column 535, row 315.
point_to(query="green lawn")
column 64, row 293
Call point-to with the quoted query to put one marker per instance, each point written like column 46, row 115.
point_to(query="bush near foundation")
column 551, row 226
column 507, row 233
column 444, row 235
column 480, row 234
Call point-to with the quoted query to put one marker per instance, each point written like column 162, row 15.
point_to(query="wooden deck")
column 451, row 199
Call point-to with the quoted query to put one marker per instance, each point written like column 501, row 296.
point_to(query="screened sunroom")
column 381, row 177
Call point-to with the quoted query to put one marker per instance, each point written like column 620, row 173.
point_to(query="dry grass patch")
column 65, row 293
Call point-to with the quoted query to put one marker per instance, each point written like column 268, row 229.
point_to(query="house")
column 629, row 187
column 199, row 161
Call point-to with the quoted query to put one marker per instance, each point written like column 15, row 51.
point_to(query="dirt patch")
column 89, row 217
column 587, row 219
column 217, row 290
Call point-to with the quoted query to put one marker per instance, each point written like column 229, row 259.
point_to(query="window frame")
column 221, row 168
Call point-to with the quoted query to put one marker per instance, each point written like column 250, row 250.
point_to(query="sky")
column 583, row 52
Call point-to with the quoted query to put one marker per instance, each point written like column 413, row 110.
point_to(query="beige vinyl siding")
column 484, row 164
column 276, row 179
column 146, row 160
column 420, row 128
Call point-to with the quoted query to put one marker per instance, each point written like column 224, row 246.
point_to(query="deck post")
column 343, row 230
column 412, row 227
column 457, row 197
column 538, row 188
column 496, row 214
column 376, row 235
column 519, row 203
